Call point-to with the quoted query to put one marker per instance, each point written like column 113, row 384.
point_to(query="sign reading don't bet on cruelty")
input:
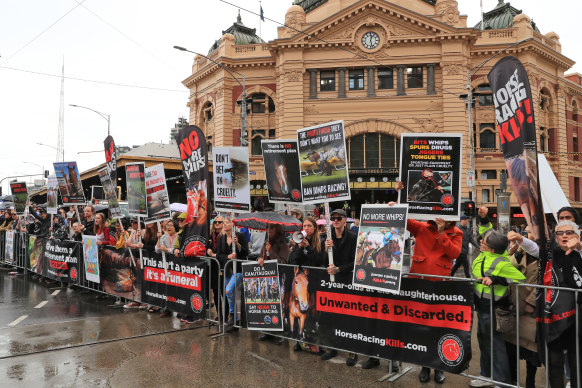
column 323, row 163
column 232, row 190
column 430, row 169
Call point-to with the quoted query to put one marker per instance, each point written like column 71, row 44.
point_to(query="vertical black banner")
column 111, row 158
column 281, row 162
column 194, row 156
column 430, row 169
column 262, row 296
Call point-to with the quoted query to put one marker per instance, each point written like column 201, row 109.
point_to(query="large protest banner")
column 110, row 193
column 428, row 323
column 183, row 288
column 430, row 169
column 111, row 158
column 118, row 275
column 61, row 260
column 232, row 191
column 19, row 196
column 194, row 156
column 262, row 296
column 323, row 161
column 52, row 194
column 158, row 202
column 380, row 249
column 9, row 247
column 281, row 162
column 91, row 258
column 136, row 192
column 70, row 184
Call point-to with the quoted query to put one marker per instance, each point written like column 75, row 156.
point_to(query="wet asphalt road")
column 77, row 340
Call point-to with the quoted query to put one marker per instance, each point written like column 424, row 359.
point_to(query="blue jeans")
column 500, row 360
column 232, row 282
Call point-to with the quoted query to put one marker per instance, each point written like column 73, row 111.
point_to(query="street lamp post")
column 104, row 115
column 243, row 114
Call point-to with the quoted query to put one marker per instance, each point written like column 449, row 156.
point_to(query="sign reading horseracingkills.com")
column 323, row 163
column 430, row 169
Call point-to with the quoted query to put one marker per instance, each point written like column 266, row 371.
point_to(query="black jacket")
column 468, row 238
column 308, row 256
column 224, row 249
column 344, row 255
column 45, row 224
column 89, row 226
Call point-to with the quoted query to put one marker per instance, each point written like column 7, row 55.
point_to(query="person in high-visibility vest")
column 494, row 274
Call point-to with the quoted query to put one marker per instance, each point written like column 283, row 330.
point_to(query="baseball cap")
column 339, row 212
column 296, row 210
column 464, row 217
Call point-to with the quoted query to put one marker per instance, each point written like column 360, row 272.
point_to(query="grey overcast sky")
column 130, row 42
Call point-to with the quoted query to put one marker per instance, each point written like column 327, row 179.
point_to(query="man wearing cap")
column 468, row 238
column 297, row 213
column 45, row 221
column 343, row 242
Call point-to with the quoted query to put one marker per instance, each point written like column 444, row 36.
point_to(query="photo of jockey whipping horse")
column 380, row 249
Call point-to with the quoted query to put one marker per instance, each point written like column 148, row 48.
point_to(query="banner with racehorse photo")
column 281, row 162
column 182, row 288
column 136, row 192
column 19, row 196
column 9, row 247
column 117, row 273
column 380, row 248
column 427, row 323
column 61, row 260
column 111, row 158
column 430, row 169
column 35, row 254
column 70, row 184
column 52, row 194
column 194, row 156
column 323, row 163
column 262, row 296
column 232, row 191
column 157, row 199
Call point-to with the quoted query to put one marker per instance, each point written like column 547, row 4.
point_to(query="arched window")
column 574, row 110
column 261, row 103
column 487, row 136
column 373, row 150
column 545, row 101
column 207, row 112
column 257, row 135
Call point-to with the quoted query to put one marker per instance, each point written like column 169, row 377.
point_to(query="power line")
column 94, row 81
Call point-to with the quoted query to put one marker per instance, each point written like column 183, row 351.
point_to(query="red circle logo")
column 296, row 195
column 447, row 200
column 275, row 319
column 451, row 349
column 196, row 303
column 361, row 274
column 73, row 273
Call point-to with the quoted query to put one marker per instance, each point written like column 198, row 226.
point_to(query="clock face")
column 370, row 40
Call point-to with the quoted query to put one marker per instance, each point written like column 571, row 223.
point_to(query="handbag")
column 505, row 319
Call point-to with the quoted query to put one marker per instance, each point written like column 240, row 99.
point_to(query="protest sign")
column 91, row 258
column 281, row 162
column 262, row 296
column 61, row 260
column 9, row 247
column 380, row 249
column 19, row 196
column 194, row 157
column 323, row 163
column 111, row 158
column 430, row 169
column 158, row 202
column 52, row 194
column 70, row 184
column 110, row 193
column 136, row 192
column 232, row 191
column 118, row 274
column 35, row 254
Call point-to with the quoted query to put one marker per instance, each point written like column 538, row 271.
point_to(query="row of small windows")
column 385, row 75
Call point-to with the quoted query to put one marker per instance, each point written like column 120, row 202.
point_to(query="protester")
column 77, row 232
column 356, row 226
column 121, row 234
column 343, row 242
column 8, row 221
column 494, row 273
column 297, row 213
column 89, row 220
column 215, row 231
column 528, row 266
column 101, row 230
column 468, row 238
column 166, row 241
column 134, row 235
column 310, row 251
column 44, row 219
column 256, row 244
column 150, row 237
column 226, row 252
column 568, row 213
column 59, row 229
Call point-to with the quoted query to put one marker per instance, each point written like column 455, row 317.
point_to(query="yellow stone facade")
column 384, row 58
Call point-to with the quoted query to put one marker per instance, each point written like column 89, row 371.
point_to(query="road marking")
column 56, row 292
column 41, row 304
column 16, row 322
column 264, row 360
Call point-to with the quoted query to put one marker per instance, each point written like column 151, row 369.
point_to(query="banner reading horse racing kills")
column 428, row 323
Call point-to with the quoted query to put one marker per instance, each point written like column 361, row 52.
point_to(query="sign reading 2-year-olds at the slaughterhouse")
column 323, row 163
column 430, row 169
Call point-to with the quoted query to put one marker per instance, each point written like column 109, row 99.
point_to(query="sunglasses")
column 217, row 222
column 564, row 232
column 336, row 218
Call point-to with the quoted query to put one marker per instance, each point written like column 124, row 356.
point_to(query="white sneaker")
column 480, row 383
column 568, row 385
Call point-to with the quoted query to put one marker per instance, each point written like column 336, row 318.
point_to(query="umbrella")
column 178, row 207
column 260, row 220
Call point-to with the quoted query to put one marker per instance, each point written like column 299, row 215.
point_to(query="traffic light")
column 469, row 208
column 46, row 173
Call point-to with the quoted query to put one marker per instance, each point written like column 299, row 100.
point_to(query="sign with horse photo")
column 380, row 249
column 427, row 323
column 281, row 163
column 323, row 163
column 430, row 169
column 262, row 296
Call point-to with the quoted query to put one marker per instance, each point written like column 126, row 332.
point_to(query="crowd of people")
column 440, row 248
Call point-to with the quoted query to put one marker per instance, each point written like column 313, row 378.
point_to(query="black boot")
column 424, row 375
column 439, row 376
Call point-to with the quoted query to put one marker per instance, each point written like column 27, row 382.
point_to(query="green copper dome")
column 242, row 34
column 310, row 5
column 501, row 17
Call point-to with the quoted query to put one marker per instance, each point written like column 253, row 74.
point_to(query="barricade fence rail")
column 186, row 285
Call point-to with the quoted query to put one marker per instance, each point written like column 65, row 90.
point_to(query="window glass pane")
column 372, row 149
column 357, row 152
column 385, row 78
column 387, row 151
column 485, row 195
column 356, row 81
column 271, row 105
column 486, row 100
column 257, row 136
column 487, row 139
column 488, row 174
column 327, row 81
column 414, row 76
